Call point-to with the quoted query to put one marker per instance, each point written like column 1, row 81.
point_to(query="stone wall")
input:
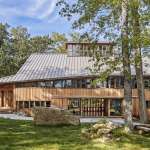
column 53, row 116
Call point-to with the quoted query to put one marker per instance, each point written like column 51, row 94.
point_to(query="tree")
column 126, row 64
column 136, row 45
column 16, row 46
column 77, row 37
column 19, row 46
column 39, row 44
column 4, row 49
column 58, row 42
column 104, row 16
column 4, row 35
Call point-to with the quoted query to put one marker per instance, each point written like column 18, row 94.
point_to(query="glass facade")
column 111, row 82
column 32, row 104
column 115, row 107
column 95, row 107
column 89, row 49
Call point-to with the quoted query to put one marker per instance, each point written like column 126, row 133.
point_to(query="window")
column 119, row 82
column 37, row 103
column 146, row 84
column 58, row 83
column 108, row 51
column 41, row 84
column 104, row 50
column 35, row 84
column 74, row 83
column 148, row 104
column 26, row 104
column 68, row 83
column 48, row 104
column 20, row 105
column 111, row 83
column 42, row 104
column 31, row 104
column 84, row 83
column 49, row 84
column 134, row 83
column 79, row 84
column 115, row 107
column 88, row 83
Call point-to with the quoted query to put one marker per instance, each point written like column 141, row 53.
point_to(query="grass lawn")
column 23, row 135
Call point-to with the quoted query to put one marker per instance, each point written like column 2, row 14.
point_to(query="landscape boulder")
column 102, row 129
column 53, row 116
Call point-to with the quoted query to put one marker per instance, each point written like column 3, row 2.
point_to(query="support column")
column 14, row 98
column 0, row 99
column 108, row 106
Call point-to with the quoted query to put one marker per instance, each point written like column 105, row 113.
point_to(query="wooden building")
column 64, row 81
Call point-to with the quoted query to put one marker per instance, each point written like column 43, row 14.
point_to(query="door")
column 2, row 99
column 6, row 99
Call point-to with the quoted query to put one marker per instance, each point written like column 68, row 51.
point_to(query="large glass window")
column 41, row 84
column 31, row 104
column 20, row 104
column 148, row 104
column 48, row 104
column 68, row 83
column 37, row 103
column 49, row 84
column 119, row 82
column 26, row 104
column 147, row 84
column 58, row 83
column 115, row 107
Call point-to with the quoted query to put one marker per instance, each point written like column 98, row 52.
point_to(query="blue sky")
column 39, row 16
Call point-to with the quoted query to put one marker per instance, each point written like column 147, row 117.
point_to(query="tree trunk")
column 126, row 66
column 138, row 60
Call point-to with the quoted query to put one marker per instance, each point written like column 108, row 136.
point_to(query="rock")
column 53, row 116
column 98, row 126
column 102, row 130
column 118, row 139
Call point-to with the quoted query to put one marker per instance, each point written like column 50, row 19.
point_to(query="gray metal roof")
column 44, row 66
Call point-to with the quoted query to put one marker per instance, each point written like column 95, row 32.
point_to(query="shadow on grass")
column 16, row 135
column 23, row 135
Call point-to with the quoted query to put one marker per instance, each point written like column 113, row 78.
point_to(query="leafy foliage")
column 15, row 47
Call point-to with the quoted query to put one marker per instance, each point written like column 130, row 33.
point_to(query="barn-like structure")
column 64, row 81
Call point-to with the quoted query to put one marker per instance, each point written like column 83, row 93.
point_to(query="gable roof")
column 44, row 66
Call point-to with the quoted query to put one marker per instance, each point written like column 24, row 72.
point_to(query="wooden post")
column 122, row 106
column 0, row 99
column 108, row 107
column 23, row 104
column 13, row 98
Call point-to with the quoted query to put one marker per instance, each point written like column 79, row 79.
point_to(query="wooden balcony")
column 33, row 93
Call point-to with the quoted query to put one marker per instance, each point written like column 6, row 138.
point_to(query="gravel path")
column 93, row 120
column 15, row 117
column 82, row 120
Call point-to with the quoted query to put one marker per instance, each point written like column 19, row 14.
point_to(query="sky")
column 39, row 16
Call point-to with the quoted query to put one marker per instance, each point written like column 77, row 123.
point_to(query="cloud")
column 50, row 10
column 41, row 17
column 38, row 9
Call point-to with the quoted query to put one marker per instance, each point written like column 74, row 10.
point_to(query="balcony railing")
column 33, row 93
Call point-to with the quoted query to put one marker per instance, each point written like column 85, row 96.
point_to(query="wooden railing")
column 33, row 93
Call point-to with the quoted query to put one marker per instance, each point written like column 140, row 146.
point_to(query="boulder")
column 102, row 129
column 53, row 116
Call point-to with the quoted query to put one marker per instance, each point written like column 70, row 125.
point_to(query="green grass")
column 23, row 135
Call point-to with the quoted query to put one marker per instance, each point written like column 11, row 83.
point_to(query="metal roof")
column 44, row 66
